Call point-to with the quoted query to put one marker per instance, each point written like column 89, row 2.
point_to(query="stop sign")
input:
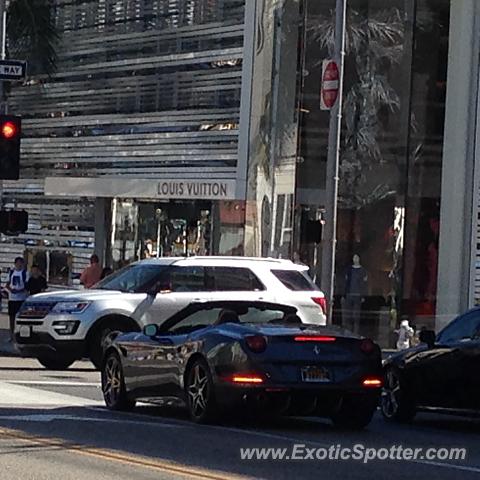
column 330, row 84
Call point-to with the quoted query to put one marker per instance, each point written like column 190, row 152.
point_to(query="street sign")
column 330, row 84
column 13, row 70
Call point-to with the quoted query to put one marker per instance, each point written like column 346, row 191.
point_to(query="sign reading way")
column 13, row 70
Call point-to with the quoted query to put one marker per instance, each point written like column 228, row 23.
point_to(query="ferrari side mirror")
column 150, row 330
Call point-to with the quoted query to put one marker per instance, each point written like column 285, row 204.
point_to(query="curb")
column 10, row 352
column 7, row 349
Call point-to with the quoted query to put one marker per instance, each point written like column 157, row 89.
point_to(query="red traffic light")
column 8, row 130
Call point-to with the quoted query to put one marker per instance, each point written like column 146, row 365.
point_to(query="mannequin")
column 356, row 287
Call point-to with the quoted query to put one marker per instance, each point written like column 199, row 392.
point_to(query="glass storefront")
column 151, row 229
column 391, row 159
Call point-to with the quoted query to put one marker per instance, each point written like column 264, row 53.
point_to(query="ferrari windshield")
column 216, row 313
column 264, row 315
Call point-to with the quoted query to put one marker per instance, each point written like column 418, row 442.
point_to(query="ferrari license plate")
column 315, row 375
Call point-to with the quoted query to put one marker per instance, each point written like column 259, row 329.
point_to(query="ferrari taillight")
column 247, row 378
column 256, row 343
column 374, row 382
column 314, row 338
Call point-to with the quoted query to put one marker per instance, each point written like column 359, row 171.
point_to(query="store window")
column 391, row 159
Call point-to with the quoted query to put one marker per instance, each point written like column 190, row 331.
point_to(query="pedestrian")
column 37, row 283
column 356, row 289
column 92, row 274
column 405, row 335
column 17, row 291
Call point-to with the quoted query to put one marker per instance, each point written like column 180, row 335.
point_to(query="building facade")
column 182, row 127
column 131, row 146
column 408, row 200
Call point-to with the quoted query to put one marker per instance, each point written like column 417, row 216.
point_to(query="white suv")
column 60, row 327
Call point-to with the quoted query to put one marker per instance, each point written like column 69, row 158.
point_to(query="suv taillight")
column 321, row 302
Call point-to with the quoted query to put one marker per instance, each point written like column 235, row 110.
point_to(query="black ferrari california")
column 217, row 356
column 440, row 375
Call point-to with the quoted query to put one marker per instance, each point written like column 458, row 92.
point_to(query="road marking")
column 50, row 383
column 18, row 395
column 464, row 468
column 157, row 465
column 47, row 417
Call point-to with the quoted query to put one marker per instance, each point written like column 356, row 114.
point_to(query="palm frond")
column 32, row 34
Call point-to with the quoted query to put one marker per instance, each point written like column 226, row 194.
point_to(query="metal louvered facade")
column 144, row 89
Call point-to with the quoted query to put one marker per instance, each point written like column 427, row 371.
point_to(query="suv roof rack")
column 247, row 259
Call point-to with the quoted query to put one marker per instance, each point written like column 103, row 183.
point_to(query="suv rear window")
column 233, row 279
column 295, row 280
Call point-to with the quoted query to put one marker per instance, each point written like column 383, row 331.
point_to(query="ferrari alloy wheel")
column 200, row 394
column 395, row 404
column 113, row 385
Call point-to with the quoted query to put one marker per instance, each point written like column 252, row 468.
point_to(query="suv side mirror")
column 428, row 337
column 150, row 330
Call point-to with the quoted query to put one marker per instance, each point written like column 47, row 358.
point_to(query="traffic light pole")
column 3, row 38
column 333, row 162
column 3, row 104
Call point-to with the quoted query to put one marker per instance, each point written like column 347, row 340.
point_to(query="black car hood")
column 404, row 355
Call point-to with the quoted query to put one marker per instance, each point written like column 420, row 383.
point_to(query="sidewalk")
column 7, row 349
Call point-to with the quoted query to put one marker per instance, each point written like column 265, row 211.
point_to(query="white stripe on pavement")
column 50, row 383
column 18, row 395
column 453, row 466
column 46, row 417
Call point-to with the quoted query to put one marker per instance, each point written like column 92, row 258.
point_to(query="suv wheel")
column 52, row 363
column 97, row 340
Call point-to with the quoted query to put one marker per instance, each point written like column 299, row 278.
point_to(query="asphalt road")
column 53, row 425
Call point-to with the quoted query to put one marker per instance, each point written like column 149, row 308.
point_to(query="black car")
column 220, row 355
column 439, row 375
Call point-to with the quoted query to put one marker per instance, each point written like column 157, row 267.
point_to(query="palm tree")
column 32, row 34
column 372, row 43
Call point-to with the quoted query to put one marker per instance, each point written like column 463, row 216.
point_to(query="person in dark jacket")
column 356, row 288
column 37, row 283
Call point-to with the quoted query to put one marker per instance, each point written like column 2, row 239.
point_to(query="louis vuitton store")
column 141, row 218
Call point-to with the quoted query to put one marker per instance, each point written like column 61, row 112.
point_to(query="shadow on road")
column 166, row 434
